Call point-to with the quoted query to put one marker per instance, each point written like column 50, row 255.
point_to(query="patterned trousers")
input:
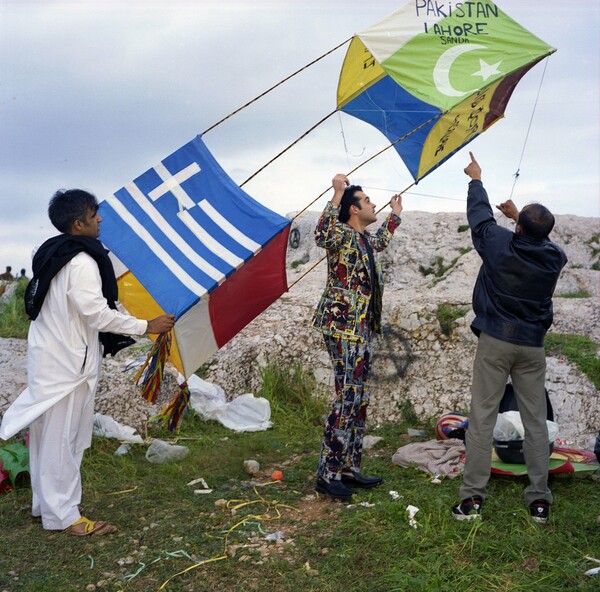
column 345, row 428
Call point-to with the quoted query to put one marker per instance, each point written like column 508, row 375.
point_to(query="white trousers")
column 57, row 440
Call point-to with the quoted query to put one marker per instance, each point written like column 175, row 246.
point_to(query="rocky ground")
column 417, row 365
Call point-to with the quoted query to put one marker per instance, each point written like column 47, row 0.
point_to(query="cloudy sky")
column 93, row 93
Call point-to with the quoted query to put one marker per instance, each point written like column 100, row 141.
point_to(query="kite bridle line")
column 275, row 86
column 517, row 173
column 325, row 256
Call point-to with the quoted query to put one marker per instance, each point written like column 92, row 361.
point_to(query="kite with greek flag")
column 190, row 242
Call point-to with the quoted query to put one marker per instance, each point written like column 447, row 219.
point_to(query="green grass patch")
column 463, row 228
column 579, row 350
column 174, row 540
column 577, row 294
column 438, row 267
column 446, row 314
column 13, row 319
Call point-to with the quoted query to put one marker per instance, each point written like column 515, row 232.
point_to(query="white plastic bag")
column 160, row 451
column 509, row 427
column 106, row 426
column 245, row 413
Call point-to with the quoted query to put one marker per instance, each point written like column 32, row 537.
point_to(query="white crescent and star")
column 441, row 71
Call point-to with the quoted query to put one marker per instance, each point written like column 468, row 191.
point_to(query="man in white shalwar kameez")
column 64, row 358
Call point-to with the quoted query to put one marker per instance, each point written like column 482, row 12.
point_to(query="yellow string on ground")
column 236, row 504
column 121, row 492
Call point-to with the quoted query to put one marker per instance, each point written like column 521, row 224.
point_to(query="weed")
column 463, row 228
column 446, row 315
column 407, row 411
column 578, row 294
column 578, row 349
column 13, row 318
column 298, row 262
column 293, row 393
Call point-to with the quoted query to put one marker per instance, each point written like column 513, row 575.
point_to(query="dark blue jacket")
column 512, row 298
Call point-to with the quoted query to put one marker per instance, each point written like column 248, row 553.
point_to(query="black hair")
column 67, row 206
column 536, row 221
column 349, row 199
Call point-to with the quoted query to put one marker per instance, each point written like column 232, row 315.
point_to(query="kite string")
column 275, row 86
column 349, row 173
column 516, row 175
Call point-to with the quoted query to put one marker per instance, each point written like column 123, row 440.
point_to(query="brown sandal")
column 90, row 528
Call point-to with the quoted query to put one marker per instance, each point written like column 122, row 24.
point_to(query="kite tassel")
column 172, row 413
column 154, row 367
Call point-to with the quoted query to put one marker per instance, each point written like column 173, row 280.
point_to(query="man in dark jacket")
column 512, row 301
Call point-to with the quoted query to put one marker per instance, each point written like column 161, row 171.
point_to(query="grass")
column 13, row 319
column 446, row 315
column 165, row 529
column 579, row 350
column 577, row 294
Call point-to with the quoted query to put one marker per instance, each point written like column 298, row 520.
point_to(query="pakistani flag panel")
column 455, row 67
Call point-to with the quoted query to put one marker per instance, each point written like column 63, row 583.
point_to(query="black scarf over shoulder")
column 51, row 257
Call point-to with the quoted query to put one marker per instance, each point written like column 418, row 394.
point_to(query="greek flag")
column 188, row 241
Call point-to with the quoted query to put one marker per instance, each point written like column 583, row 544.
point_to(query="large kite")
column 434, row 75
column 189, row 241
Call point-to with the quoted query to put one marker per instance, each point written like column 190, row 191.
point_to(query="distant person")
column 512, row 301
column 7, row 275
column 348, row 314
column 22, row 276
column 71, row 298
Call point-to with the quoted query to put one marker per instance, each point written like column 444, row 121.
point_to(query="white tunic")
column 63, row 364
column 64, row 349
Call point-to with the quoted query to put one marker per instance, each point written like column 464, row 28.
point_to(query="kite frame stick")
column 275, row 86
column 286, row 149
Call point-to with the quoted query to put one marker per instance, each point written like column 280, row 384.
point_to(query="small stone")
column 252, row 467
column 90, row 587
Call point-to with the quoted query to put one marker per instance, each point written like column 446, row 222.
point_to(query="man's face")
column 366, row 208
column 90, row 225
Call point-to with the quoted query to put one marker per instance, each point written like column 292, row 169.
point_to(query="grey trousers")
column 494, row 362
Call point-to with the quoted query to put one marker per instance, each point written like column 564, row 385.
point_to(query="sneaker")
column 335, row 489
column 539, row 510
column 468, row 509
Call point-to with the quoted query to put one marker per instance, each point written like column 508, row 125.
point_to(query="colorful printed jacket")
column 343, row 307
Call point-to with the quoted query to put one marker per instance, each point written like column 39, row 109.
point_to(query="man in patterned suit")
column 348, row 313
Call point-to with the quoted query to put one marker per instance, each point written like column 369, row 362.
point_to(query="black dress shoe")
column 335, row 489
column 358, row 480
